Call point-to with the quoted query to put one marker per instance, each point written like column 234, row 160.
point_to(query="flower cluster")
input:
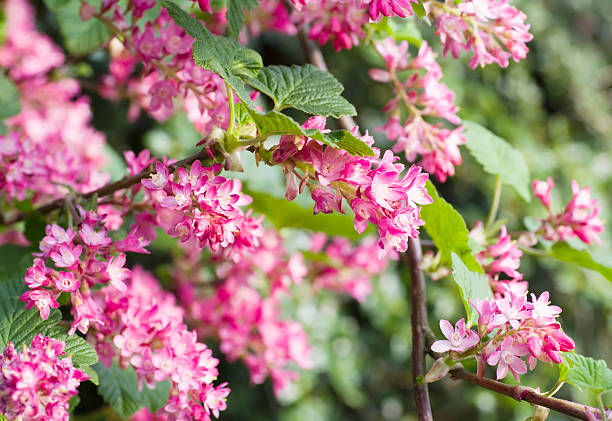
column 493, row 29
column 143, row 327
column 346, row 268
column 377, row 189
column 517, row 327
column 246, row 320
column 331, row 20
column 376, row 9
column 202, row 205
column 419, row 97
column 579, row 219
column 241, row 304
column 169, row 72
column 81, row 259
column 43, row 151
column 35, row 384
column 503, row 257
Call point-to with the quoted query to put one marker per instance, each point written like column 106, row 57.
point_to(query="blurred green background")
column 555, row 107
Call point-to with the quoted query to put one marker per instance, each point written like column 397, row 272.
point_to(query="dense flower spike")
column 346, row 268
column 501, row 258
column 82, row 259
column 509, row 329
column 377, row 189
column 143, row 327
column 247, row 322
column 579, row 219
column 43, row 151
column 233, row 306
column 493, row 29
column 336, row 21
column 418, row 98
column 35, row 384
column 202, row 205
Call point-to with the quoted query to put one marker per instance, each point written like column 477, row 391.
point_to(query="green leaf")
column 19, row 325
column 9, row 100
column 10, row 258
column 472, row 285
column 34, row 230
column 585, row 373
column 448, row 231
column 305, row 88
column 419, row 9
column 275, row 123
column 155, row 399
column 497, row 157
column 235, row 15
column 283, row 213
column 564, row 252
column 221, row 55
column 119, row 388
column 183, row 19
column 93, row 374
column 80, row 37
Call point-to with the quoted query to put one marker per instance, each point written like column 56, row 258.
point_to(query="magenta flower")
column 541, row 311
column 116, row 273
column 161, row 95
column 36, row 383
column 542, row 189
column 507, row 357
column 158, row 180
column 66, row 282
column 512, row 310
column 41, row 299
column 458, row 339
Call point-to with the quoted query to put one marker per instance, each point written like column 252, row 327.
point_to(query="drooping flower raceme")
column 501, row 258
column 419, row 98
column 493, row 29
column 377, row 189
column 202, row 205
column 509, row 329
column 35, row 384
column 579, row 219
column 144, row 328
column 42, row 152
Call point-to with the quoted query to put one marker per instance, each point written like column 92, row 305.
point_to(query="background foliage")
column 555, row 107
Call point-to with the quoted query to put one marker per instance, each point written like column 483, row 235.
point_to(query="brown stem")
column 421, row 333
column 108, row 189
column 529, row 395
column 420, row 328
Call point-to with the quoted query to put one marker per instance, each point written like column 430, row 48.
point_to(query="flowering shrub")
column 233, row 265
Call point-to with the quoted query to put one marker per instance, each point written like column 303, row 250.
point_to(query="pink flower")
column 541, row 311
column 512, row 310
column 66, row 282
column 507, row 357
column 42, row 299
column 148, row 45
column 158, row 180
column 161, row 95
column 116, row 273
column 66, row 256
column 37, row 275
column 36, row 383
column 542, row 189
column 458, row 339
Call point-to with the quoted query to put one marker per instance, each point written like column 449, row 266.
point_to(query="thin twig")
column 108, row 189
column 420, row 328
column 421, row 333
column 522, row 394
